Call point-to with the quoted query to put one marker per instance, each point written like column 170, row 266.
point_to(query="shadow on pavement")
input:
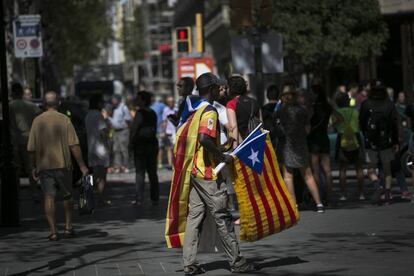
column 217, row 265
column 61, row 262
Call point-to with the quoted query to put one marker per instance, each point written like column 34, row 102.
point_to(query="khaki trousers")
column 210, row 196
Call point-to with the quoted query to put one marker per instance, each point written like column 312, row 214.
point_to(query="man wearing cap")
column 208, row 191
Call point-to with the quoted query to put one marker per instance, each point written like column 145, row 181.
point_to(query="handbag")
column 86, row 200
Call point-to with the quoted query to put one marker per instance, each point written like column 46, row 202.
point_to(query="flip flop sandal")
column 69, row 233
column 53, row 237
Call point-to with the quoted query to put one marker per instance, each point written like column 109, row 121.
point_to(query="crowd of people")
column 371, row 129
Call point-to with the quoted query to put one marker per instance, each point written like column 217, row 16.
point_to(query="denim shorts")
column 57, row 180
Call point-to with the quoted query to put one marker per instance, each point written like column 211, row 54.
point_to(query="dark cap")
column 208, row 79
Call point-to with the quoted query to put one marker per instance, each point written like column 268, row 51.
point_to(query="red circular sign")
column 34, row 43
column 21, row 44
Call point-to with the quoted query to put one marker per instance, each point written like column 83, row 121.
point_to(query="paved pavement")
column 354, row 239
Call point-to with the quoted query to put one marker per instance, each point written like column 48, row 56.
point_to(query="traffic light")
column 183, row 37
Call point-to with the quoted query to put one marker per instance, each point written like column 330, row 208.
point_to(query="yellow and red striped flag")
column 265, row 204
column 184, row 150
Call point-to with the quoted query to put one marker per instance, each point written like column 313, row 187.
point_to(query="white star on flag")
column 253, row 157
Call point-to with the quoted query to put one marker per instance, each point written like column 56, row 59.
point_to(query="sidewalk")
column 356, row 239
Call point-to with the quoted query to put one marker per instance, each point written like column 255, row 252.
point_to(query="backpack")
column 349, row 140
column 378, row 128
column 246, row 105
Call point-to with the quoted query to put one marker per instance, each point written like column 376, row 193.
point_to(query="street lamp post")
column 9, row 180
column 257, row 40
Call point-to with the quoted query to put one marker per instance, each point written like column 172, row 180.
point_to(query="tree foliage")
column 74, row 31
column 322, row 34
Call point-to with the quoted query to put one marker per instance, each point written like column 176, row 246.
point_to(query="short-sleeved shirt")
column 203, row 162
column 50, row 137
column 170, row 128
column 98, row 146
column 232, row 103
column 22, row 114
column 245, row 107
column 222, row 117
column 120, row 117
column 158, row 107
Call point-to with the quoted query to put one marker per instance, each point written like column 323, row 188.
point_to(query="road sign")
column 194, row 67
column 27, row 36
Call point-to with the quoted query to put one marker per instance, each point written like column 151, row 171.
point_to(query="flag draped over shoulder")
column 184, row 150
column 265, row 204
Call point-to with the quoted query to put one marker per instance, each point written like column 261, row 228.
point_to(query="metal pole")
column 9, row 179
column 257, row 40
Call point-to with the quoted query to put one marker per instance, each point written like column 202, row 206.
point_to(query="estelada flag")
column 265, row 204
column 184, row 150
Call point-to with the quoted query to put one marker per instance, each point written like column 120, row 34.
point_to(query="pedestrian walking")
column 158, row 106
column 362, row 95
column 120, row 122
column 28, row 95
column 352, row 94
column 144, row 144
column 168, row 130
column 208, row 191
column 97, row 133
column 378, row 120
column 318, row 139
column 272, row 94
column 349, row 148
column 295, row 154
column 241, row 109
column 226, row 142
column 22, row 114
column 185, row 87
column 52, row 140
column 405, row 133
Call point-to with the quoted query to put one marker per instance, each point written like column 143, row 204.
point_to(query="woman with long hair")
column 295, row 155
column 240, row 108
column 318, row 139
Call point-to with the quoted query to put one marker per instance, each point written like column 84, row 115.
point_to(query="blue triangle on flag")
column 252, row 152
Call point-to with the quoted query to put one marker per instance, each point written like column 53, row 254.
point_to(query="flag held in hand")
column 251, row 152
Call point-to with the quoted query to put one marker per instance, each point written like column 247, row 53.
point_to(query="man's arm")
column 208, row 143
column 33, row 162
column 127, row 115
column 77, row 154
column 136, row 123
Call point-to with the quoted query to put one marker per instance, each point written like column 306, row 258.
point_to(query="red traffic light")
column 183, row 37
column 182, row 34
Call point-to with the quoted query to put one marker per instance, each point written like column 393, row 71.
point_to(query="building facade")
column 395, row 67
column 152, row 71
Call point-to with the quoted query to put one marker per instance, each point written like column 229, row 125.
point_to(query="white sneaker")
column 320, row 208
column 361, row 197
column 343, row 198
